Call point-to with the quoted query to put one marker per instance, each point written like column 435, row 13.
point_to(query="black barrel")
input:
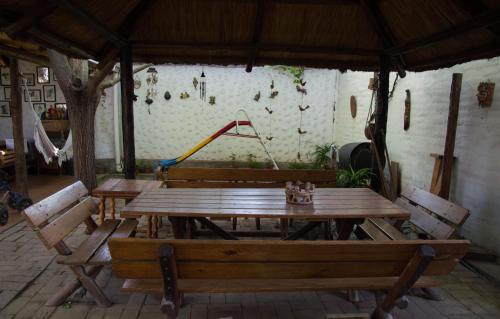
column 357, row 155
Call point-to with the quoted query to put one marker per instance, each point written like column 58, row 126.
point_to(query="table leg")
column 178, row 226
column 190, row 228
column 112, row 207
column 216, row 229
column 154, row 226
column 102, row 209
column 346, row 226
column 284, row 227
column 328, row 229
column 149, row 232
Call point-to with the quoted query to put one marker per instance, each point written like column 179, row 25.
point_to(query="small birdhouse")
column 484, row 94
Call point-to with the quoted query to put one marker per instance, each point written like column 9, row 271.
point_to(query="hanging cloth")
column 42, row 142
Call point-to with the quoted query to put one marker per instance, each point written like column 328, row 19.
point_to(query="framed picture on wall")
column 49, row 93
column 39, row 108
column 4, row 108
column 42, row 75
column 35, row 95
column 30, row 78
column 54, row 76
column 4, row 76
column 6, row 92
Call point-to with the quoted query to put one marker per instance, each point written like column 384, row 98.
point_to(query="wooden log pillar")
column 449, row 147
column 127, row 92
column 381, row 110
column 16, row 109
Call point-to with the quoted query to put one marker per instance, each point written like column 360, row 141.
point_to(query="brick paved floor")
column 29, row 276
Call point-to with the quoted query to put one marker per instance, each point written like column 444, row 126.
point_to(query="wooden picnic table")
column 120, row 188
column 347, row 206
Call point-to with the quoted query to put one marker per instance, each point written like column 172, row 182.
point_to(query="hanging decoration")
column 354, row 106
column 485, row 91
column 184, row 95
column 302, row 90
column 211, row 100
column 203, row 86
column 167, row 95
column 406, row 123
column 137, row 82
column 256, row 98
column 373, row 84
column 274, row 93
column 102, row 100
column 151, row 92
column 195, row 83
column 269, row 110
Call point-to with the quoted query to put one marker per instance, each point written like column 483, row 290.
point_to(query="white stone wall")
column 477, row 147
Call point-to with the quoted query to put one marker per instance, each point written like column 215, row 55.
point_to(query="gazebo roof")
column 345, row 34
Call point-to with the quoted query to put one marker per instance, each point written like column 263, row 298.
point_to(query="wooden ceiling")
column 344, row 34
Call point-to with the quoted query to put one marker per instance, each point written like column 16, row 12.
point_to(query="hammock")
column 42, row 142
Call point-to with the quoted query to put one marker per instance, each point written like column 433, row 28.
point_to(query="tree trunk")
column 16, row 109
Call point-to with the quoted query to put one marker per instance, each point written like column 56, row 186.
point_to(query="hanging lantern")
column 203, row 86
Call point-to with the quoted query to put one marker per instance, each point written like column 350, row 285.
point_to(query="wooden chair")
column 56, row 216
column 173, row 267
column 179, row 177
column 436, row 217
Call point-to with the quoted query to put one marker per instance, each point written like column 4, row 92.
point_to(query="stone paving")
column 29, row 276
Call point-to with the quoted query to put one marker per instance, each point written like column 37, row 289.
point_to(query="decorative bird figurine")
column 269, row 138
column 273, row 94
column 302, row 109
column 301, row 89
column 272, row 84
column 269, row 110
column 257, row 97
column 195, row 83
column 302, row 82
column 299, row 130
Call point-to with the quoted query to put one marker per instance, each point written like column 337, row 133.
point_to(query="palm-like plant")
column 349, row 178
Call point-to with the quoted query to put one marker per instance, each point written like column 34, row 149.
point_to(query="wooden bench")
column 178, row 177
column 174, row 267
column 56, row 216
column 7, row 158
column 436, row 217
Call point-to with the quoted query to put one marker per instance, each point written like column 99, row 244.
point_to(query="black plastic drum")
column 358, row 155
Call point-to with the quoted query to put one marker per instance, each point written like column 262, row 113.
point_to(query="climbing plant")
column 296, row 72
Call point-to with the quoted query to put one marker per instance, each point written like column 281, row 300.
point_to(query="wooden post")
column 449, row 147
column 16, row 108
column 381, row 110
column 127, row 91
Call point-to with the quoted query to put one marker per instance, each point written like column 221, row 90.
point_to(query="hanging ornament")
column 184, row 95
column 211, row 100
column 195, row 83
column 167, row 95
column 151, row 92
column 137, row 82
column 301, row 89
column 485, row 92
column 273, row 94
column 257, row 97
column 203, row 86
column 302, row 109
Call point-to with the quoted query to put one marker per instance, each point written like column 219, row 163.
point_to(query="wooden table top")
column 334, row 203
column 117, row 187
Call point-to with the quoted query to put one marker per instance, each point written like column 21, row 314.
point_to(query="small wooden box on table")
column 120, row 188
column 173, row 267
column 55, row 217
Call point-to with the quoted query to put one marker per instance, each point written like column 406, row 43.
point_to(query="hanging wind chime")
column 270, row 112
column 302, row 90
column 203, row 86
column 151, row 91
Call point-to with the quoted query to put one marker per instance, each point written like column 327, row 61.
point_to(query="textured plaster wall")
column 173, row 127
column 477, row 147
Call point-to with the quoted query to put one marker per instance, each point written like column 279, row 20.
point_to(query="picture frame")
column 39, row 108
column 5, row 76
column 36, row 95
column 4, row 109
column 42, row 75
column 6, row 93
column 30, row 79
column 49, row 93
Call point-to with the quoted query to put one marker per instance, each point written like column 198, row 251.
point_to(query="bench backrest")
column 135, row 258
column 54, row 217
column 7, row 158
column 436, row 216
column 245, row 177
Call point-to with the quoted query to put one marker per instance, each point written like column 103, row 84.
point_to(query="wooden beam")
column 381, row 111
column 384, row 32
column 483, row 20
column 27, row 21
column 451, row 131
column 126, row 29
column 257, row 47
column 76, row 11
column 127, row 92
column 23, row 55
column 477, row 7
column 58, row 42
column 257, row 31
column 16, row 109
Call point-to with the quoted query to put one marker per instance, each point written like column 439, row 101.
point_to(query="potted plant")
column 321, row 158
column 349, row 178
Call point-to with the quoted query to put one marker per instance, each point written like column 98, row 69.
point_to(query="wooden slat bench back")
column 245, row 177
column 266, row 265
column 435, row 216
column 57, row 216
